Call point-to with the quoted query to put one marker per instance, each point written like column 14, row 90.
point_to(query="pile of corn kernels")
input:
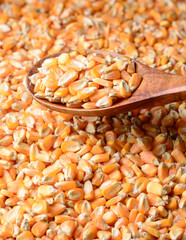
column 66, row 177
column 79, row 79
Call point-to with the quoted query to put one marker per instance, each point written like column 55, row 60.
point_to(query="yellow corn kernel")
column 27, row 235
column 154, row 232
column 143, row 205
column 103, row 102
column 69, row 77
column 39, row 228
column 46, row 143
column 176, row 233
column 135, row 81
column 178, row 156
column 63, row 58
column 70, row 146
column 110, row 188
column 75, row 194
column 46, row 190
column 155, row 188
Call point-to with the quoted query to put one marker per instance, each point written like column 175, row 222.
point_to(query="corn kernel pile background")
column 66, row 177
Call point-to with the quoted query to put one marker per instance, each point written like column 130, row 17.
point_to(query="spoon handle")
column 164, row 87
column 161, row 85
column 171, row 84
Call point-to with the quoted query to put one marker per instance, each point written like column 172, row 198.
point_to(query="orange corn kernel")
column 98, row 193
column 110, row 218
column 47, row 190
column 143, row 205
column 89, row 105
column 67, row 185
column 105, row 101
column 127, row 171
column 110, row 168
column 133, row 214
column 50, row 62
column 135, row 148
column 88, row 190
column 104, row 234
column 95, row 71
column 68, row 227
column 140, row 217
column 46, row 143
column 179, row 189
column 70, row 146
column 135, row 81
column 176, row 233
column 75, row 194
column 178, row 156
column 69, row 77
column 149, row 170
column 132, row 203
column 110, row 188
column 51, row 83
column 62, row 218
column 100, row 158
column 89, row 232
column 111, row 75
column 1, row 170
column 154, row 200
column 100, row 223
column 115, row 200
column 77, row 86
column 155, row 188
column 56, row 209
column 116, row 175
column 172, row 203
column 98, row 94
column 125, row 75
column 83, row 218
column 63, row 58
column 121, row 222
column 148, row 157
column 122, row 210
column 70, row 171
column 124, row 89
column 98, row 202
column 162, row 171
column 11, row 122
column 154, row 232
column 39, row 228
column 27, row 235
column 86, row 92
column 40, row 207
column 133, row 227
column 61, row 92
column 97, row 149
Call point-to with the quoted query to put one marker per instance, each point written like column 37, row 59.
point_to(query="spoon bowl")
column 156, row 88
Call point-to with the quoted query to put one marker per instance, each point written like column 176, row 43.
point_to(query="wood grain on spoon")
column 156, row 88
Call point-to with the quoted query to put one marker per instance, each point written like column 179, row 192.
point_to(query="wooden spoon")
column 156, row 88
